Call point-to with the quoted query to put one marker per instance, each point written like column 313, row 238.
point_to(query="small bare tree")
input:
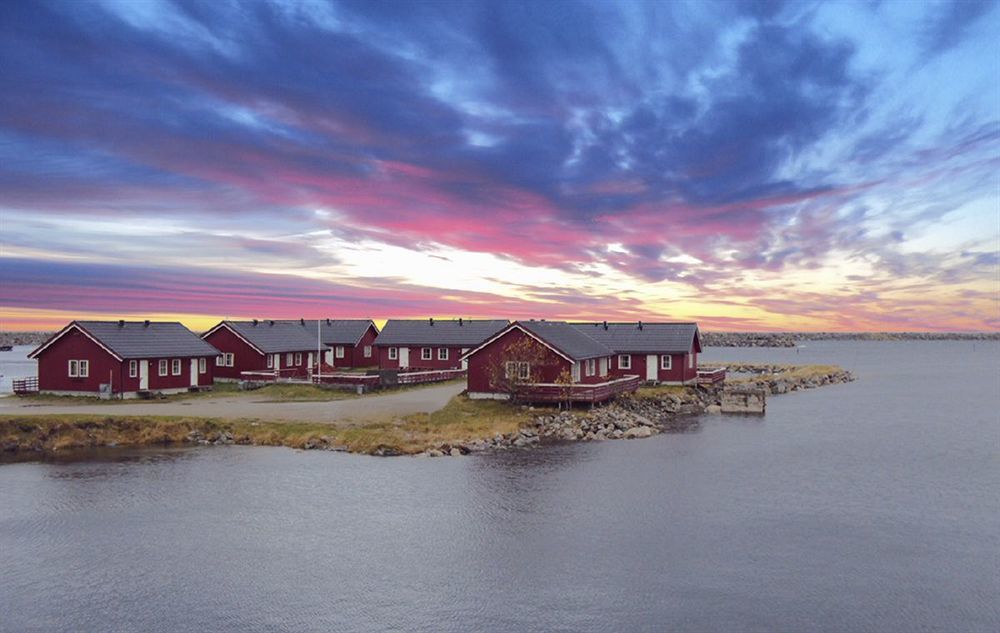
column 517, row 367
column 565, row 382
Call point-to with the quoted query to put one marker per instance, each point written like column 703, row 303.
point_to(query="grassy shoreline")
column 461, row 420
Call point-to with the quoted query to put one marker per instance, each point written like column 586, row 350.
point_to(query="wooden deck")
column 711, row 376
column 587, row 393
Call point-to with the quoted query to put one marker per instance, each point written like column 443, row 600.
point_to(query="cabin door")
column 194, row 372
column 465, row 362
column 652, row 366
column 404, row 357
column 329, row 357
column 309, row 361
column 144, row 375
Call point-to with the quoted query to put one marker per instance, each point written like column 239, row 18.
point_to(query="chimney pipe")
column 255, row 322
column 271, row 323
column 328, row 321
column 121, row 322
column 431, row 320
column 302, row 321
column 640, row 325
column 459, row 321
column 146, row 323
column 605, row 325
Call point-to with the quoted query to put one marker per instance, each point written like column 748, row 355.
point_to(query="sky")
column 750, row 166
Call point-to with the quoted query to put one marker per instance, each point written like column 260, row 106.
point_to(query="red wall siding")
column 53, row 365
column 679, row 371
column 170, row 381
column 354, row 356
column 359, row 350
column 245, row 358
column 454, row 358
column 483, row 364
column 597, row 377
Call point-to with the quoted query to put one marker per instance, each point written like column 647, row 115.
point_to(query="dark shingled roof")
column 457, row 333
column 135, row 339
column 337, row 331
column 672, row 338
column 567, row 339
column 274, row 337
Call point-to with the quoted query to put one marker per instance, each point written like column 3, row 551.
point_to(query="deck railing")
column 25, row 385
column 711, row 376
column 346, row 379
column 577, row 392
column 273, row 375
column 437, row 375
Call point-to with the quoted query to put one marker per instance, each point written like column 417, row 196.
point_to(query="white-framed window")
column 690, row 361
column 338, row 351
column 368, row 351
column 298, row 358
column 78, row 368
column 426, row 353
column 517, row 369
column 288, row 359
column 230, row 359
column 133, row 368
column 270, row 361
column 591, row 367
column 220, row 360
column 202, row 365
column 666, row 361
column 393, row 353
column 163, row 367
column 604, row 366
column 625, row 361
column 175, row 366
column 442, row 353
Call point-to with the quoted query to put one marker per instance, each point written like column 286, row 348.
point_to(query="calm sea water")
column 15, row 364
column 872, row 506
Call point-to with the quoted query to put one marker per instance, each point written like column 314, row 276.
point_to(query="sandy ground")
column 369, row 407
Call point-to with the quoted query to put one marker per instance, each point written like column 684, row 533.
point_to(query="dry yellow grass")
column 462, row 420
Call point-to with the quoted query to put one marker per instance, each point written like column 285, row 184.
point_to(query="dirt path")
column 422, row 400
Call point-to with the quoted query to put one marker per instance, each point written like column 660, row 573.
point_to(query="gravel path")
column 419, row 400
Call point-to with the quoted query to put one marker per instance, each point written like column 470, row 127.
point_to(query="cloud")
column 712, row 140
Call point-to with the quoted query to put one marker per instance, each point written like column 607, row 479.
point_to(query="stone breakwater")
column 791, row 339
column 746, row 339
column 779, row 379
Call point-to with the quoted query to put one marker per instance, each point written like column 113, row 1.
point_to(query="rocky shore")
column 779, row 379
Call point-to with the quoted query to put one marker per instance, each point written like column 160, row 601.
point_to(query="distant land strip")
column 708, row 339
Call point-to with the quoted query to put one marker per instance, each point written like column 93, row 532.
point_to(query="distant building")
column 124, row 358
column 284, row 347
column 430, row 343
column 351, row 342
column 658, row 352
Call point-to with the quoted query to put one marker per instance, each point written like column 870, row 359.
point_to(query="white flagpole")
column 319, row 352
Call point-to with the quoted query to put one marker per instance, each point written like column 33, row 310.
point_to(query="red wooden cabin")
column 130, row 357
column 282, row 348
column 431, row 344
column 351, row 342
column 664, row 353
column 544, row 361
